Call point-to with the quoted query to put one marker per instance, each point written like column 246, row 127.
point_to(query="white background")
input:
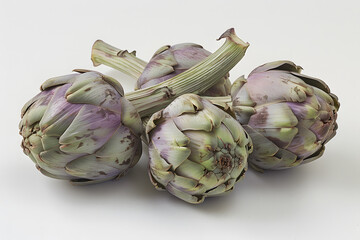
column 42, row 39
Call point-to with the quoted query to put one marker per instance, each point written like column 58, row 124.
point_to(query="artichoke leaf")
column 264, row 146
column 59, row 113
column 277, row 115
column 209, row 180
column 187, row 185
column 58, row 159
column 90, row 88
column 91, row 167
column 304, row 143
column 282, row 137
column 184, row 195
column 191, row 170
column 217, row 190
column 91, row 128
column 278, row 65
column 189, row 104
column 162, row 177
column 202, row 145
column 57, row 81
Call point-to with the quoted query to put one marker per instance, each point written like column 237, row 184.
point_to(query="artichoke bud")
column 80, row 127
column 196, row 149
column 170, row 61
column 289, row 116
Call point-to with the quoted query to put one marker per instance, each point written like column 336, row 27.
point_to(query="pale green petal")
column 209, row 180
column 241, row 97
column 262, row 147
column 216, row 191
column 130, row 117
column 237, row 85
column 50, row 142
column 33, row 116
column 243, row 113
column 162, row 177
column 287, row 159
column 315, row 155
column 278, row 65
column 236, row 171
column 187, row 103
column 191, row 170
column 264, row 162
column 90, row 88
column 188, row 185
column 90, row 167
column 124, row 147
column 156, row 161
column 58, row 159
column 282, row 137
column 57, row 81
column 210, row 164
column 202, row 144
column 198, row 121
column 90, row 129
column 35, row 143
column 172, row 144
column 185, row 196
column 225, row 138
column 59, row 172
column 305, row 143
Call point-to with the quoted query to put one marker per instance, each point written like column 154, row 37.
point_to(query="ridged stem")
column 122, row 60
column 195, row 80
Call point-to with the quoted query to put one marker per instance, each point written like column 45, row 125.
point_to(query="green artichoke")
column 169, row 61
column 81, row 128
column 289, row 116
column 196, row 149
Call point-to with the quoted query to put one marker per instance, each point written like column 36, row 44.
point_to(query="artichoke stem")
column 122, row 60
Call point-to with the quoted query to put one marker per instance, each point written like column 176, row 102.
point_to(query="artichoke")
column 81, row 128
column 169, row 61
column 196, row 149
column 289, row 116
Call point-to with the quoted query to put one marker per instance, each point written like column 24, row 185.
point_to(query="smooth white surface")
column 42, row 39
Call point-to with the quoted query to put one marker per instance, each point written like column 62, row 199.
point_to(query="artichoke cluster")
column 201, row 131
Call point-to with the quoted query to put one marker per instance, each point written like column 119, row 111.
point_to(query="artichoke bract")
column 196, row 149
column 81, row 128
column 289, row 116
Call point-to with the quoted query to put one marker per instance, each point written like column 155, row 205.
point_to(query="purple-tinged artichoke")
column 289, row 116
column 81, row 128
column 196, row 149
column 169, row 61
